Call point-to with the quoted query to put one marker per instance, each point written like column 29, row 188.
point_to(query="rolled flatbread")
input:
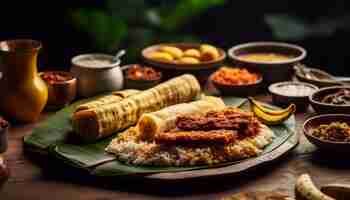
column 164, row 120
column 108, row 99
column 103, row 121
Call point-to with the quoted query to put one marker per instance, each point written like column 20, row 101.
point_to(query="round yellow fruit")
column 188, row 60
column 160, row 56
column 209, row 53
column 173, row 51
column 192, row 53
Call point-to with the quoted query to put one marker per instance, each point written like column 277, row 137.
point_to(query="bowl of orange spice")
column 236, row 81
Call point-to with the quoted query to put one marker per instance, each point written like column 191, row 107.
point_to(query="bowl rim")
column 72, row 79
column 148, row 48
column 274, row 85
column 312, row 100
column 322, row 116
column 127, row 66
column 234, row 56
column 259, row 81
column 75, row 61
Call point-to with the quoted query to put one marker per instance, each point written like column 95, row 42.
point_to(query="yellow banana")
column 270, row 117
column 268, row 110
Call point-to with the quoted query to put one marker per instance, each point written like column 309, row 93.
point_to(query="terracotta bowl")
column 138, row 84
column 314, row 122
column 182, row 67
column 319, row 107
column 302, row 102
column 239, row 90
column 61, row 93
column 272, row 71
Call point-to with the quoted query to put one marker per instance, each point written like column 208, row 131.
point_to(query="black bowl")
column 320, row 107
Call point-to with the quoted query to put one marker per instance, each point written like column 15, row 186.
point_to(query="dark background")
column 68, row 28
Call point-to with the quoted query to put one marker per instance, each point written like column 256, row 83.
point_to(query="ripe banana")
column 269, row 116
column 305, row 189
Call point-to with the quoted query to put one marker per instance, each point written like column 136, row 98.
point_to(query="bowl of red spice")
column 4, row 126
column 62, row 87
column 141, row 77
column 236, row 81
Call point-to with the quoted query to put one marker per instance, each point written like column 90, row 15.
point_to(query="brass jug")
column 23, row 94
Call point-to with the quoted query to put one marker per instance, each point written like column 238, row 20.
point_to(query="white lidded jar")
column 96, row 73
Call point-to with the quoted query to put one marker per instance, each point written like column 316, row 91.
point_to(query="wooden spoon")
column 337, row 191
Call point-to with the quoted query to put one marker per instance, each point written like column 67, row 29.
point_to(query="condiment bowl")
column 320, row 107
column 238, row 90
column 330, row 146
column 138, row 84
column 282, row 94
column 96, row 73
column 61, row 93
column 4, row 127
column 275, row 71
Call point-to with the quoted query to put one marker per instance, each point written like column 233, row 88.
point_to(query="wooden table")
column 32, row 181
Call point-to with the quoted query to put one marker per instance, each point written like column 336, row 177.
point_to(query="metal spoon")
column 119, row 54
column 310, row 74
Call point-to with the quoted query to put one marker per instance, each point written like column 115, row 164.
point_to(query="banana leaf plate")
column 53, row 138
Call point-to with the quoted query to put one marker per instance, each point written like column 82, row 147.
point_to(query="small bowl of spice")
column 330, row 132
column 335, row 99
column 285, row 93
column 62, row 87
column 236, row 81
column 4, row 126
column 141, row 77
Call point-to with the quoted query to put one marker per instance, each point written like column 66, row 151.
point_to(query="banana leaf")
column 52, row 137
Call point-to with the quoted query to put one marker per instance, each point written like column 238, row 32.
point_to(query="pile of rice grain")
column 130, row 150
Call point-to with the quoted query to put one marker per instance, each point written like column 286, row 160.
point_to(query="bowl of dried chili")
column 62, row 87
column 141, row 77
column 236, row 81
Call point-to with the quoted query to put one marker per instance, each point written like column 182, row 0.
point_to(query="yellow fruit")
column 209, row 53
column 267, row 110
column 192, row 53
column 188, row 60
column 306, row 189
column 160, row 56
column 270, row 117
column 173, row 51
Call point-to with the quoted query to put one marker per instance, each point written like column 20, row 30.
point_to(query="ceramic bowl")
column 330, row 146
column 61, row 93
column 276, row 71
column 98, row 78
column 238, row 90
column 4, row 128
column 281, row 99
column 182, row 67
column 320, row 107
column 318, row 73
column 138, row 84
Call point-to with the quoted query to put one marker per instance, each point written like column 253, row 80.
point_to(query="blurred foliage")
column 134, row 24
column 289, row 27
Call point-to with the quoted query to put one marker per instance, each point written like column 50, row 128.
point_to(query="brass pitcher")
column 23, row 94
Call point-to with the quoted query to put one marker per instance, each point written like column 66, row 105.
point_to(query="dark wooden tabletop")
column 32, row 180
